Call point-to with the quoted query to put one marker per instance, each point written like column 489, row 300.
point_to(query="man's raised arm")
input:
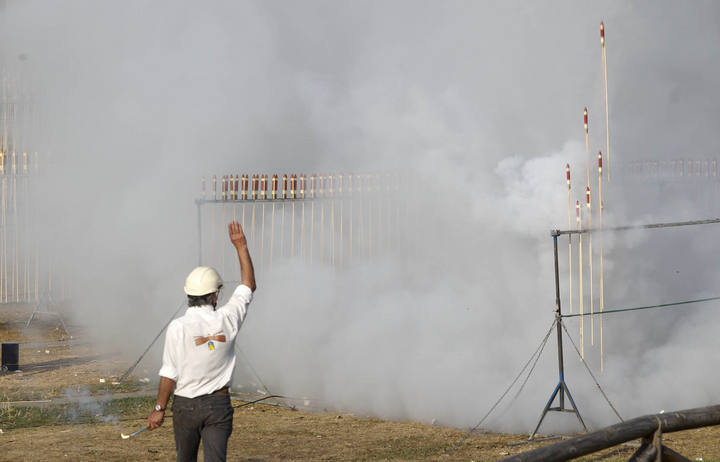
column 237, row 237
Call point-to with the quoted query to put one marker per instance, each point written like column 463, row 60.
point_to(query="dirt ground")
column 40, row 423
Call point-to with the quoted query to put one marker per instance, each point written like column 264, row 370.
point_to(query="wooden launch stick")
column 3, row 202
column 332, row 219
column 350, row 219
column 607, row 109
column 302, row 214
column 263, row 196
column 602, row 287
column 569, row 210
column 16, row 243
column 243, row 196
column 590, row 264
column 312, row 214
column 222, row 217
column 255, row 188
column 322, row 218
column 274, row 193
column 214, row 219
column 370, row 240
column 26, row 282
column 293, row 189
column 283, row 196
column 231, row 195
column 340, row 237
column 580, row 278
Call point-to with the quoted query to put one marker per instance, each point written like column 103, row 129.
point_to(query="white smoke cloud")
column 479, row 104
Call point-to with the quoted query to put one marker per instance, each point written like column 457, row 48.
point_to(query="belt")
column 222, row 391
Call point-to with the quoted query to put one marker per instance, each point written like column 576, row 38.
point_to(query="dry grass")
column 88, row 430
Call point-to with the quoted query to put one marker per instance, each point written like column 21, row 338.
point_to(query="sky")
column 479, row 104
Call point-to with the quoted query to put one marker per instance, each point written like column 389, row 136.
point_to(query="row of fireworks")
column 14, row 163
column 294, row 186
column 326, row 227
column 579, row 224
column 19, row 256
column 675, row 168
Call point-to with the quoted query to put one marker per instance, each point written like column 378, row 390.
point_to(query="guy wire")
column 537, row 350
column 591, row 374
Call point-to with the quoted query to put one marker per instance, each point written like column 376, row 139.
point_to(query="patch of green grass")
column 129, row 385
column 22, row 393
column 83, row 411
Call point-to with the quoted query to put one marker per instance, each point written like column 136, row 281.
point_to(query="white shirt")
column 199, row 350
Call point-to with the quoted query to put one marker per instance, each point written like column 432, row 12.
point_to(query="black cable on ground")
column 591, row 374
column 535, row 353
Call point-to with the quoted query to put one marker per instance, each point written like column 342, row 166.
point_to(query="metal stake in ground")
column 561, row 388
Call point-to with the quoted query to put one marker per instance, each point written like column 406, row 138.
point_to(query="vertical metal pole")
column 558, row 322
column 199, row 224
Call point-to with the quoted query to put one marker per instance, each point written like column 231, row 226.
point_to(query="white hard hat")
column 202, row 280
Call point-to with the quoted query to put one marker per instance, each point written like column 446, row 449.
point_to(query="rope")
column 132, row 368
column 537, row 350
column 591, row 374
column 252, row 369
column 527, row 377
column 662, row 305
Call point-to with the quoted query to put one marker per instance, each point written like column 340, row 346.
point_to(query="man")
column 199, row 359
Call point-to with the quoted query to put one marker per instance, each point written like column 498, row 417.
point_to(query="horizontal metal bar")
column 558, row 232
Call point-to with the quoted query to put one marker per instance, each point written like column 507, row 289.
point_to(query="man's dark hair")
column 200, row 300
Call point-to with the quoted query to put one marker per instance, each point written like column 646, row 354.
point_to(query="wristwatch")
column 159, row 408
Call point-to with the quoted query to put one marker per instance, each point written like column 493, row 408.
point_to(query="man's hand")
column 237, row 236
column 155, row 419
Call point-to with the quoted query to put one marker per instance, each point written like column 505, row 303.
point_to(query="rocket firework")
column 607, row 110
column 255, row 187
column 587, row 146
column 243, row 186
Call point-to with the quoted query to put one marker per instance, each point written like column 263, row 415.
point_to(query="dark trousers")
column 207, row 417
